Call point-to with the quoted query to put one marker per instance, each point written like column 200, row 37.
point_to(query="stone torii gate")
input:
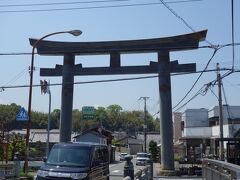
column 163, row 67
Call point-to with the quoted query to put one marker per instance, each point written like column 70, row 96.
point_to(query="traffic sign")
column 22, row 115
column 88, row 112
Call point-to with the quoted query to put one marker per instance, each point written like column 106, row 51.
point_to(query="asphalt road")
column 117, row 168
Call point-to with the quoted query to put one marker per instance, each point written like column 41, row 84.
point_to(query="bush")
column 153, row 150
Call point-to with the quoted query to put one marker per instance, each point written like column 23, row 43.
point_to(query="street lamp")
column 74, row 33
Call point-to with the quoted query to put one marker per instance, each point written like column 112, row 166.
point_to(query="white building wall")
column 196, row 122
column 198, row 132
column 228, row 130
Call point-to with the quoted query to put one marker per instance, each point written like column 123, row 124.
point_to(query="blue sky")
column 109, row 24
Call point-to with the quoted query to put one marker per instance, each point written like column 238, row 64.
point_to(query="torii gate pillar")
column 166, row 126
column 67, row 98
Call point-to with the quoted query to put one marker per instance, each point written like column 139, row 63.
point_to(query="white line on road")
column 116, row 171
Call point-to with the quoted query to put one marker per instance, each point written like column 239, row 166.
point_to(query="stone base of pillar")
column 162, row 172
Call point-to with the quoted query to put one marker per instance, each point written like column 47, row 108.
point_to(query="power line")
column 205, row 88
column 196, row 79
column 145, row 122
column 102, row 81
column 92, row 7
column 233, row 48
column 193, row 97
column 60, row 3
column 18, row 76
column 81, row 2
column 213, row 92
column 179, row 48
column 181, row 19
column 226, row 101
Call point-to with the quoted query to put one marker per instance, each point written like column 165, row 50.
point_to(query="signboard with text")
column 88, row 112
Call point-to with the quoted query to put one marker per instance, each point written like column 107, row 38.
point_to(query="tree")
column 112, row 118
column 114, row 114
column 101, row 117
column 153, row 150
column 76, row 120
column 17, row 144
column 55, row 118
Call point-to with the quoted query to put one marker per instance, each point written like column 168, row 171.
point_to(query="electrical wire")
column 98, row 81
column 15, row 78
column 213, row 92
column 233, row 48
column 181, row 19
column 226, row 101
column 193, row 97
column 60, row 3
column 81, row 2
column 90, row 7
column 207, row 86
column 215, row 50
column 183, row 47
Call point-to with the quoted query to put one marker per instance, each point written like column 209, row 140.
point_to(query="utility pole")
column 145, row 122
column 221, row 146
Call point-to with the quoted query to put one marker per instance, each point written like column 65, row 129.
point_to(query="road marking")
column 116, row 171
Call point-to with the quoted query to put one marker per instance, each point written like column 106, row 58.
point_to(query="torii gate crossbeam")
column 162, row 46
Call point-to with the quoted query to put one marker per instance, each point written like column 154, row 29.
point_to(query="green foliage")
column 17, row 144
column 153, row 150
column 112, row 118
column 29, row 175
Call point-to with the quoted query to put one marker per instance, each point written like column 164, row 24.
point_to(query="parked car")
column 122, row 156
column 76, row 161
column 142, row 159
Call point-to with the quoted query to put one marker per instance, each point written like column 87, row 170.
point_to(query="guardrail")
column 142, row 174
column 7, row 170
column 219, row 170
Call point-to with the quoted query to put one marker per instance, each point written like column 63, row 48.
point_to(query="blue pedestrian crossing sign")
column 22, row 115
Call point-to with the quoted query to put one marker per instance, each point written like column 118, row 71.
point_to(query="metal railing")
column 142, row 174
column 220, row 170
column 7, row 170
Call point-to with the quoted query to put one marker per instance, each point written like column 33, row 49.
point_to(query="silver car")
column 142, row 159
column 122, row 156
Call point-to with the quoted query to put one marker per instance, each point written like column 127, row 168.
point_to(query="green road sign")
column 88, row 112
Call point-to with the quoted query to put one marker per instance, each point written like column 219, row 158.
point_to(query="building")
column 196, row 123
column 91, row 136
column 130, row 145
column 201, row 134
column 177, row 126
column 40, row 135
column 151, row 136
column 231, row 120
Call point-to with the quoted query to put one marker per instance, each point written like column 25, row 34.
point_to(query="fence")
column 7, row 170
column 220, row 170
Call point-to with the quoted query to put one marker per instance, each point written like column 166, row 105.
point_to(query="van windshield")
column 69, row 156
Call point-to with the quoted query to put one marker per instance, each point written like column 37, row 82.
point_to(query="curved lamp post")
column 74, row 33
